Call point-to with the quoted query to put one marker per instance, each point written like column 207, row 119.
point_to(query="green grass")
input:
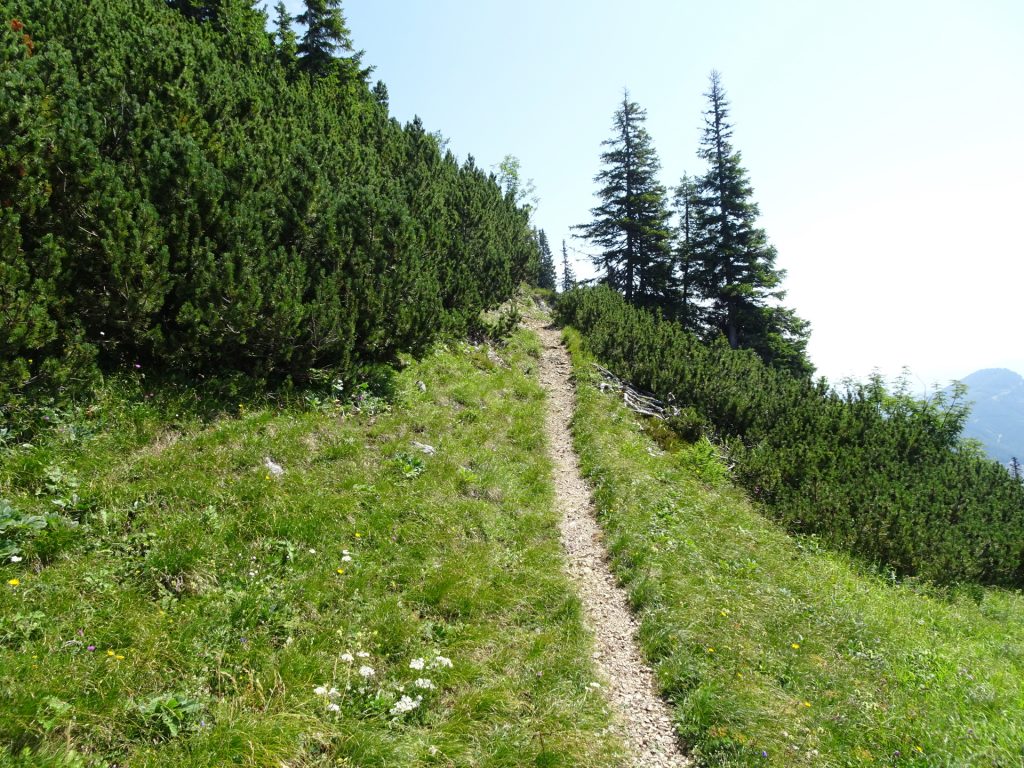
column 183, row 603
column 777, row 653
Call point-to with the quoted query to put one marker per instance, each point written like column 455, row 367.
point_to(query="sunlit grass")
column 775, row 652
column 192, row 602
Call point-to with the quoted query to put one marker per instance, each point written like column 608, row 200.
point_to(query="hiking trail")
column 629, row 682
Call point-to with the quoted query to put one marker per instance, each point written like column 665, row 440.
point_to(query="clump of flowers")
column 406, row 704
column 328, row 695
column 381, row 693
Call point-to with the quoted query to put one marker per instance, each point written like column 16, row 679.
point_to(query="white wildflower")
column 425, row 684
column 362, row 654
column 347, row 658
column 15, row 559
column 441, row 661
column 405, row 704
column 333, row 693
column 273, row 467
column 333, row 708
column 417, row 664
column 320, row 690
column 346, row 558
column 345, row 552
column 312, row 551
column 365, row 671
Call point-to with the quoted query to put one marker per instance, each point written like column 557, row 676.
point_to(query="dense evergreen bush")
column 176, row 193
column 879, row 474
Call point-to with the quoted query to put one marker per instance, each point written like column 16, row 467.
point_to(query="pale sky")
column 884, row 141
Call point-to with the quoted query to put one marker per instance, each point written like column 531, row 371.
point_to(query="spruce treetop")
column 630, row 223
column 732, row 262
column 326, row 34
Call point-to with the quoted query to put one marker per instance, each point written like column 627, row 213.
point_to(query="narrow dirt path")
column 631, row 689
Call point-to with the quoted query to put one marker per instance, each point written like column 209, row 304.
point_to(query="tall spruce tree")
column 733, row 262
column 546, row 278
column 568, row 274
column 687, row 309
column 631, row 222
column 326, row 34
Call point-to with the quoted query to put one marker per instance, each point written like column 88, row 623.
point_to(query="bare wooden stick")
column 643, row 403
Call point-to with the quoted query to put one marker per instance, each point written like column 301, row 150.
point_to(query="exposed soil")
column 629, row 683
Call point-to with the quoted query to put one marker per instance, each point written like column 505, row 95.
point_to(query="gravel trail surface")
column 629, row 682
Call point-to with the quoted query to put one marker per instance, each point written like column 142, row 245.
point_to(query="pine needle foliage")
column 568, row 273
column 870, row 471
column 631, row 221
column 728, row 259
column 176, row 193
column 547, row 278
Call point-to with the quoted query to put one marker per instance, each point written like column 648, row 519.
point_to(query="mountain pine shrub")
column 869, row 471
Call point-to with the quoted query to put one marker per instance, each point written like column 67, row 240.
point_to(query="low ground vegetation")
column 364, row 580
column 775, row 651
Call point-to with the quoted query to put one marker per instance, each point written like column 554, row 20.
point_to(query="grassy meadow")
column 775, row 652
column 325, row 584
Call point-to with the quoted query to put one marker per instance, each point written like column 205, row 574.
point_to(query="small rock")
column 427, row 449
column 421, row 386
column 273, row 467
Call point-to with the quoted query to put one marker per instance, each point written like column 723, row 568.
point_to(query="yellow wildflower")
column 14, row 582
column 795, row 646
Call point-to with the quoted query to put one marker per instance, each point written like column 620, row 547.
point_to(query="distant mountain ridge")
column 997, row 412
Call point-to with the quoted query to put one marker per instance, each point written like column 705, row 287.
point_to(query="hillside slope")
column 776, row 652
column 313, row 585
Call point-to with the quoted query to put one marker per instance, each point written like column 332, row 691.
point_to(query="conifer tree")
column 380, row 94
column 287, row 40
column 316, row 232
column 568, row 275
column 734, row 264
column 326, row 34
column 687, row 309
column 630, row 224
column 546, row 277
